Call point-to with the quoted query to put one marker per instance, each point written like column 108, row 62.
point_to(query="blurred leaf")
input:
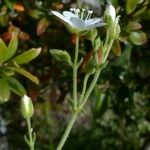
column 3, row 50
column 116, row 48
column 138, row 38
column 143, row 67
column 124, row 59
column 139, row 12
column 26, row 74
column 134, row 25
column 27, row 56
column 9, row 4
column 100, row 102
column 3, row 19
column 42, row 26
column 60, row 55
column 35, row 13
column 4, row 91
column 131, row 5
column 16, row 86
column 12, row 48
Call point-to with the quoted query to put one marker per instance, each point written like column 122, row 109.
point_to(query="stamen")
column 77, row 11
column 82, row 13
column 72, row 9
column 90, row 12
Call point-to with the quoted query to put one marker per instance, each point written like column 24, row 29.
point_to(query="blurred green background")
column 117, row 114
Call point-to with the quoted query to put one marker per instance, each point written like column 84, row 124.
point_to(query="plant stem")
column 67, row 131
column 75, row 69
column 31, row 145
column 91, row 87
column 84, row 87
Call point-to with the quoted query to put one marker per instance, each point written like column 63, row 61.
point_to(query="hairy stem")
column 67, row 131
column 75, row 69
column 90, row 89
column 84, row 87
column 31, row 145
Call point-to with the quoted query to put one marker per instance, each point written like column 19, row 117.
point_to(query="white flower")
column 110, row 10
column 78, row 21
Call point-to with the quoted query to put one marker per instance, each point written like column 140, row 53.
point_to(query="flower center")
column 82, row 14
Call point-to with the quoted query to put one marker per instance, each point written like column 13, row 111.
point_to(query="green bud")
column 97, row 44
column 27, row 108
column 92, row 34
column 110, row 11
column 60, row 55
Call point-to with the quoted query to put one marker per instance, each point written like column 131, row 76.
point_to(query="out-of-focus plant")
column 10, row 64
column 80, row 24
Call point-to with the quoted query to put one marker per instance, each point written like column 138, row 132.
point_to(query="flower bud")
column 110, row 11
column 27, row 108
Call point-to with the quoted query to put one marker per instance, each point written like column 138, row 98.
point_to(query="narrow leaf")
column 27, row 74
column 131, row 5
column 12, row 48
column 3, row 49
column 4, row 91
column 16, row 86
column 27, row 56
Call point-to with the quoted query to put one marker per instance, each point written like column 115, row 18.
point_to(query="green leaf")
column 16, row 86
column 35, row 13
column 4, row 91
column 26, row 74
column 27, row 56
column 3, row 50
column 61, row 56
column 9, row 4
column 138, row 38
column 12, row 48
column 124, row 59
column 131, row 5
column 4, row 19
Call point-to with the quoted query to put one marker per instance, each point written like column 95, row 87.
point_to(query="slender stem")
column 67, row 131
column 31, row 145
column 91, row 87
column 75, row 69
column 84, row 87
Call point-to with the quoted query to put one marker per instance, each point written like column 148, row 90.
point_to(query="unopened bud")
column 110, row 11
column 27, row 108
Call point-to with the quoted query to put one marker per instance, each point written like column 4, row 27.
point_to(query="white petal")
column 98, row 24
column 68, row 14
column 78, row 23
column 93, row 21
column 60, row 16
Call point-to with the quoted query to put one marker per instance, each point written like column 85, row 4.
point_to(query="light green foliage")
column 10, row 65
column 4, row 91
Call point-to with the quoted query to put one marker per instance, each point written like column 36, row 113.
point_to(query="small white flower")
column 78, row 21
column 110, row 10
